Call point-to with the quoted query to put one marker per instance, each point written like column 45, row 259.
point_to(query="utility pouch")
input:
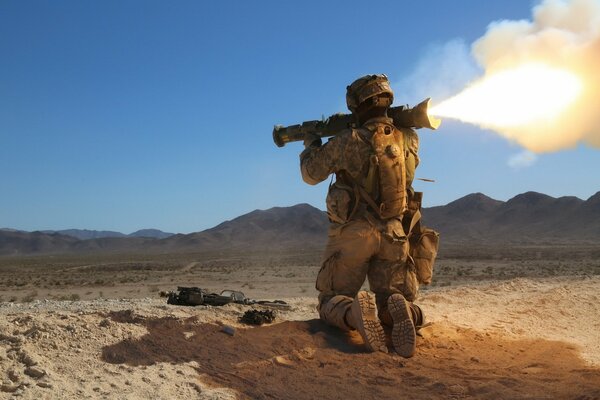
column 394, row 232
column 339, row 202
column 423, row 249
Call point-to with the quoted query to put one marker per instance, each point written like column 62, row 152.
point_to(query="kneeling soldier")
column 375, row 219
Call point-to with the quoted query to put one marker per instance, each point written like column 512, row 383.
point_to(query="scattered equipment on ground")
column 195, row 296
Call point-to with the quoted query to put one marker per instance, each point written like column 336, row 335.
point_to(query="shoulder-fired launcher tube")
column 404, row 117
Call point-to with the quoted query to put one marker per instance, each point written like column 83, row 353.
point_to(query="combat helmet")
column 367, row 87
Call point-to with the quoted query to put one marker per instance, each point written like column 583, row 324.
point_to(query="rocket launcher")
column 403, row 116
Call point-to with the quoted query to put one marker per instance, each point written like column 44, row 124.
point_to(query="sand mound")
column 513, row 339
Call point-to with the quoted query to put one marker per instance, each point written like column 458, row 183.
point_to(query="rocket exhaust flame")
column 541, row 86
column 525, row 95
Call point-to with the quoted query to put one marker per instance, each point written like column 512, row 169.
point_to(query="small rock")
column 105, row 323
column 27, row 359
column 196, row 387
column 230, row 330
column 458, row 389
column 307, row 353
column 13, row 375
column 9, row 388
column 44, row 384
column 283, row 361
column 16, row 340
column 475, row 359
column 438, row 387
column 35, row 372
column 35, row 332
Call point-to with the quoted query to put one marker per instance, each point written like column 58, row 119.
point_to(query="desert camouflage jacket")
column 348, row 155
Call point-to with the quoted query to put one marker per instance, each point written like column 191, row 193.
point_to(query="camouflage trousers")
column 355, row 252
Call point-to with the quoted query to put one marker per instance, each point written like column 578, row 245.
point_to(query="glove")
column 312, row 140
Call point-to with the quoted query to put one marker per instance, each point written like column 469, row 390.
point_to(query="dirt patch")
column 304, row 359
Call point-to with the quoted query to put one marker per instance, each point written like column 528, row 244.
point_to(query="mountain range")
column 85, row 234
column 528, row 218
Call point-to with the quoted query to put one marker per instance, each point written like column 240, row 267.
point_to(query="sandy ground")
column 520, row 338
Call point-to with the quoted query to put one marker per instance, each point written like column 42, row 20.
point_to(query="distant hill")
column 86, row 234
column 151, row 233
column 25, row 243
column 18, row 242
column 528, row 218
column 298, row 227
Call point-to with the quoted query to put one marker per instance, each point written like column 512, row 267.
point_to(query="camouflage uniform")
column 361, row 243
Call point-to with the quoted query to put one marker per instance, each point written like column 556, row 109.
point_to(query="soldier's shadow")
column 177, row 340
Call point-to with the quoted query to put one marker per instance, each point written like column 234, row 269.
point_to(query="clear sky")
column 124, row 115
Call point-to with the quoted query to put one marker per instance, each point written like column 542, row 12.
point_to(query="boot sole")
column 369, row 326
column 404, row 336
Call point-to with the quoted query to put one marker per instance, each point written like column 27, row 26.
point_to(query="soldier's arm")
column 318, row 162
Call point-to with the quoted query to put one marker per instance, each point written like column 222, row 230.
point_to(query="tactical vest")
column 383, row 182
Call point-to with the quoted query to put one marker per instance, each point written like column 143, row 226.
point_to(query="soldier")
column 374, row 215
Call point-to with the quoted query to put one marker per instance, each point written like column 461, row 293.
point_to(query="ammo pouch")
column 393, row 231
column 423, row 250
column 339, row 202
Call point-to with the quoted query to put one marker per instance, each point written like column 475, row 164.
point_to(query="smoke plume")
column 563, row 34
column 452, row 66
column 523, row 159
column 540, row 85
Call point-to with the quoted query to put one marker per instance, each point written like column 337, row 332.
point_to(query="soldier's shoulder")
column 342, row 136
column 345, row 133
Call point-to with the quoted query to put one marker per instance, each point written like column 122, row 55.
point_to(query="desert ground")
column 506, row 323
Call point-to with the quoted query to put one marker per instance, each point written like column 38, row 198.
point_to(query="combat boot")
column 418, row 317
column 404, row 337
column 363, row 317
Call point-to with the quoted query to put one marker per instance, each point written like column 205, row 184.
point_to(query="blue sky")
column 124, row 115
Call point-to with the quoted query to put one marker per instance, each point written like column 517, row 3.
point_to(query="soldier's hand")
column 312, row 140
